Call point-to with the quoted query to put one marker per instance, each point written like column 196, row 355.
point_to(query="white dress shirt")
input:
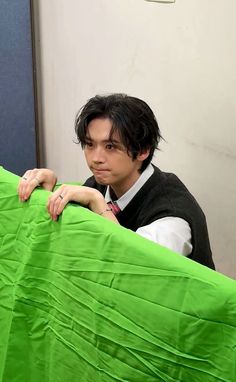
column 171, row 232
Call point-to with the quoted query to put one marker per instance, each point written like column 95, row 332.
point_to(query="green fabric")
column 86, row 300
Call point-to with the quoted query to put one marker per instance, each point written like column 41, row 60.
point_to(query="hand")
column 86, row 196
column 31, row 179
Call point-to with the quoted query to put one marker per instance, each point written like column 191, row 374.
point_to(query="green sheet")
column 86, row 300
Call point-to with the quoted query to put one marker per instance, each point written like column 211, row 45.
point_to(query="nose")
column 98, row 155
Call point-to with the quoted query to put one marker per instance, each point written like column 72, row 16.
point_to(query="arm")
column 171, row 232
column 46, row 179
column 86, row 196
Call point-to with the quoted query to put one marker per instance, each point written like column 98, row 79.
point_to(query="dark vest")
column 165, row 195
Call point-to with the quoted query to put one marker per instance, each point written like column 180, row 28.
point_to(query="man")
column 119, row 135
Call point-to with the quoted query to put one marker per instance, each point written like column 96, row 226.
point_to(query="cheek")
column 87, row 156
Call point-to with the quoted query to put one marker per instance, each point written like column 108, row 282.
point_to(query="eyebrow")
column 104, row 141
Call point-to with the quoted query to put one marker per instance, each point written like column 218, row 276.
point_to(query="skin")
column 109, row 162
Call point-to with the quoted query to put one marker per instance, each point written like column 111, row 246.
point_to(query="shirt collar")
column 124, row 200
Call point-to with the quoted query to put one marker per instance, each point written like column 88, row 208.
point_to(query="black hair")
column 131, row 117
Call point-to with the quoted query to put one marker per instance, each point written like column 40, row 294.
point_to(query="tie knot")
column 114, row 206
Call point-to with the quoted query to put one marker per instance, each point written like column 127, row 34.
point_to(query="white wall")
column 180, row 58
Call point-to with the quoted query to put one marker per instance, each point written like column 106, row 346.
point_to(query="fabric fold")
column 83, row 299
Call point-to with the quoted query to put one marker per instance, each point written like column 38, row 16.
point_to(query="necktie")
column 114, row 206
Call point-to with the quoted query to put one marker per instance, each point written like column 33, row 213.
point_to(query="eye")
column 110, row 146
column 88, row 144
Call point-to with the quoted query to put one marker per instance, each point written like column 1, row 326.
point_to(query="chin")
column 101, row 181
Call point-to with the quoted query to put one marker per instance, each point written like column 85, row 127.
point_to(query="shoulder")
column 171, row 186
column 164, row 194
column 91, row 182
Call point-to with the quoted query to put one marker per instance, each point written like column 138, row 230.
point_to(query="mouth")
column 99, row 170
column 100, row 173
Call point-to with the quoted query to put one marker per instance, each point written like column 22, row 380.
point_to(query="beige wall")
column 180, row 58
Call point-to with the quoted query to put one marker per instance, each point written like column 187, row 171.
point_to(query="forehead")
column 100, row 129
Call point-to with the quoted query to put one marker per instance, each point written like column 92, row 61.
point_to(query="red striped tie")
column 114, row 206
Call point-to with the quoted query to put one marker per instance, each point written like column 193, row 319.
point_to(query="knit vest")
column 161, row 196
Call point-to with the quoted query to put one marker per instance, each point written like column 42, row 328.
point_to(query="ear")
column 143, row 155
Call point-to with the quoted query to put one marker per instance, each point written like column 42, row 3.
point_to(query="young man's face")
column 108, row 160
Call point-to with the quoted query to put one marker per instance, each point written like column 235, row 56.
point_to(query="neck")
column 118, row 190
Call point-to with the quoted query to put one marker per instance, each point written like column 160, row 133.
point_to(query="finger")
column 23, row 184
column 63, row 202
column 56, row 208
column 56, row 203
column 28, row 186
